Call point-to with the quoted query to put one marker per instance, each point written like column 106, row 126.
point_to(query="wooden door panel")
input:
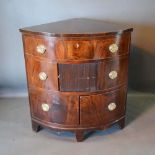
column 63, row 109
column 94, row 108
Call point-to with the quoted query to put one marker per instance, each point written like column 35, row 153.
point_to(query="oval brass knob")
column 45, row 107
column 112, row 106
column 77, row 45
column 42, row 76
column 113, row 48
column 41, row 49
column 113, row 75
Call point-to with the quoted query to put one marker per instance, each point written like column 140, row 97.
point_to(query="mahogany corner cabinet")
column 77, row 74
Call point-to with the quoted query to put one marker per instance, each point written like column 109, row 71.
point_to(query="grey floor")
column 137, row 138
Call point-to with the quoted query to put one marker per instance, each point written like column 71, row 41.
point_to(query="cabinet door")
column 102, row 109
column 54, row 108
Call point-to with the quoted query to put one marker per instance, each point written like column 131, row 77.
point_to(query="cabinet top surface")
column 76, row 27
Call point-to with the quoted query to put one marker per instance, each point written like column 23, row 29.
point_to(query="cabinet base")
column 79, row 132
column 35, row 126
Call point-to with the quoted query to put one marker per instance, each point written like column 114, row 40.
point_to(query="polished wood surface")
column 77, row 27
column 35, row 67
column 77, row 74
column 63, row 109
column 94, row 108
column 92, row 76
column 79, row 48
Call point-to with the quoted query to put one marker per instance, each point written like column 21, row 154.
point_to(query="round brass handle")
column 113, row 48
column 113, row 75
column 42, row 76
column 77, row 45
column 45, row 107
column 41, row 49
column 112, row 106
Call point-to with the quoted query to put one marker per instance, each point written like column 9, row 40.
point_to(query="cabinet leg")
column 35, row 126
column 122, row 123
column 79, row 136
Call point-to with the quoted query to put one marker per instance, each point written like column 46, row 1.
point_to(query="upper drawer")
column 80, row 48
column 42, row 47
column 111, row 46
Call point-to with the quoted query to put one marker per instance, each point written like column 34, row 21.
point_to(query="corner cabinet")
column 77, row 74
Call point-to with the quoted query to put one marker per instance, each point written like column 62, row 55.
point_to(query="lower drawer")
column 103, row 108
column 54, row 107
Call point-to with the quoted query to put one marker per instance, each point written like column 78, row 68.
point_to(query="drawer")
column 96, row 48
column 44, row 47
column 54, row 108
column 112, row 73
column 41, row 74
column 102, row 109
column 111, row 46
column 79, row 48
column 95, row 76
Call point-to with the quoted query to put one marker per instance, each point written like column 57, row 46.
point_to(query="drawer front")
column 102, row 109
column 44, row 47
column 111, row 46
column 76, row 48
column 95, row 76
column 41, row 73
column 54, row 108
column 112, row 73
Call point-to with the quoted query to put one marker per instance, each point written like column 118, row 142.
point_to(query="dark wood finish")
column 35, row 66
column 35, row 126
column 77, row 27
column 77, row 60
column 63, row 109
column 79, row 135
column 94, row 108
column 101, row 45
column 122, row 123
column 92, row 76
column 79, row 48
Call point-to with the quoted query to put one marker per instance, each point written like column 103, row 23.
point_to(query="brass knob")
column 41, row 49
column 113, row 48
column 77, row 45
column 112, row 106
column 113, row 75
column 45, row 107
column 42, row 76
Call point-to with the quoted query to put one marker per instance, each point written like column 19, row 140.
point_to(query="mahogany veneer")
column 77, row 73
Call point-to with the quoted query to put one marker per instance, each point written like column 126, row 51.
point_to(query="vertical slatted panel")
column 77, row 77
